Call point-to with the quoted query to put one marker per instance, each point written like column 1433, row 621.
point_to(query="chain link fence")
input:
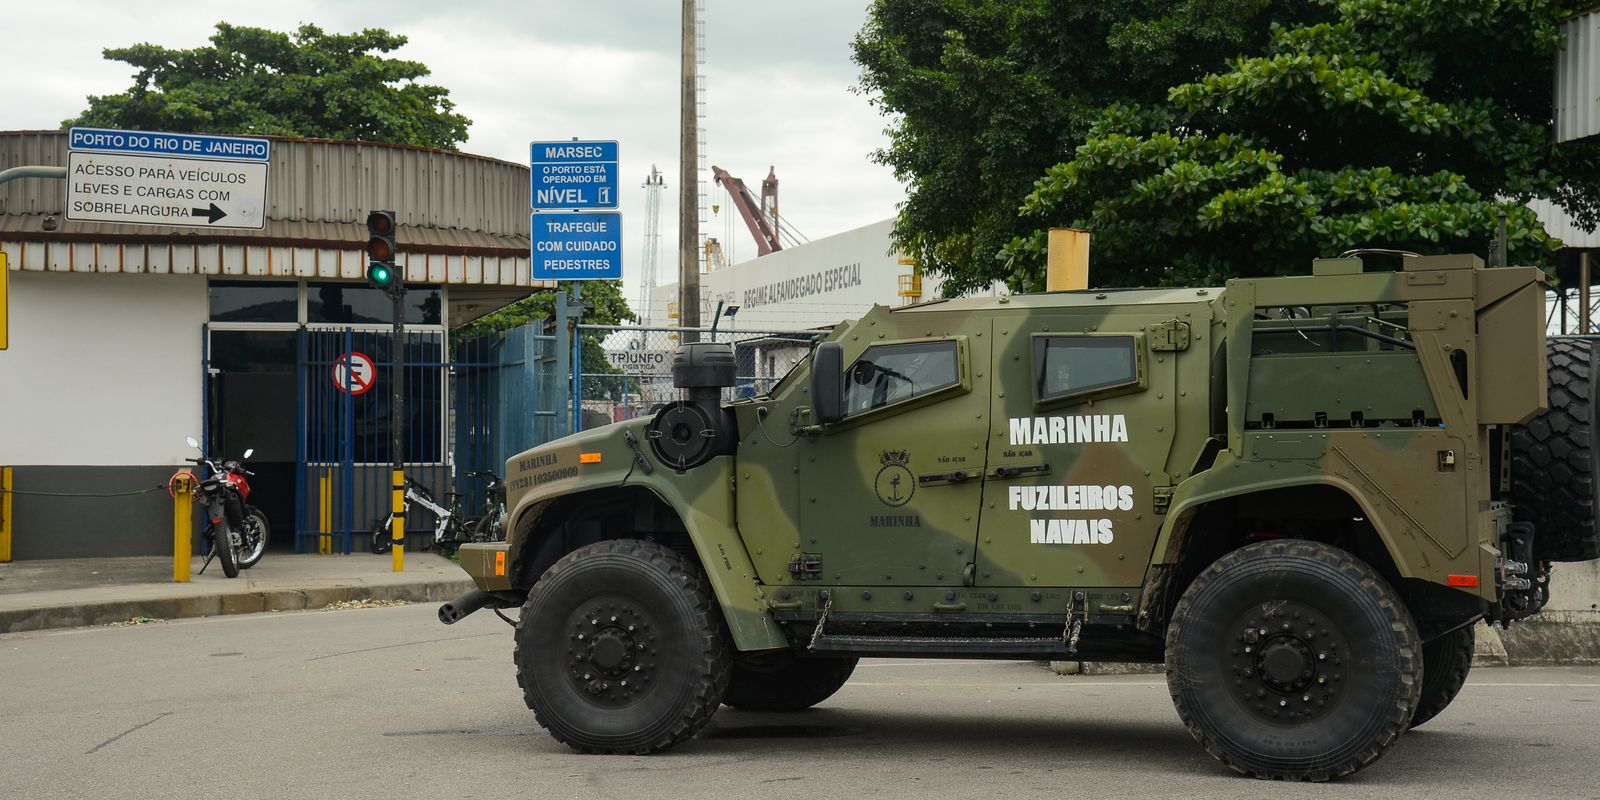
column 627, row 371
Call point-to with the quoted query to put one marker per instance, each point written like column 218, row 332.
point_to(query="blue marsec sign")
column 573, row 175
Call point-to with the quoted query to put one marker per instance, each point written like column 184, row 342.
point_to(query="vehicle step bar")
column 981, row 646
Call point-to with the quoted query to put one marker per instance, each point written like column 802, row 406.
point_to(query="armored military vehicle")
column 1300, row 493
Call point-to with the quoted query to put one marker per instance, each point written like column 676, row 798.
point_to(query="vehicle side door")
column 890, row 495
column 1083, row 424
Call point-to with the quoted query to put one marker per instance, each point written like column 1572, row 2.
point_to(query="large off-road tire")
column 622, row 649
column 1445, row 663
column 1294, row 660
column 1554, row 459
column 783, row 682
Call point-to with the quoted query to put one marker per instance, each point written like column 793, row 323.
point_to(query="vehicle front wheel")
column 622, row 649
column 783, row 682
column 1294, row 660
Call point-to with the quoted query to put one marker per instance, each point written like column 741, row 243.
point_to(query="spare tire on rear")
column 1554, row 459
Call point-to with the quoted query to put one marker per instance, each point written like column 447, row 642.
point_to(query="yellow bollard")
column 325, row 513
column 5, row 507
column 397, row 526
column 182, row 488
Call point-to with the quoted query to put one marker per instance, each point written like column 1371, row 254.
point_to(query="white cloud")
column 778, row 78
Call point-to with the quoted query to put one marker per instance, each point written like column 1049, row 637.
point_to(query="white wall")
column 806, row 286
column 103, row 369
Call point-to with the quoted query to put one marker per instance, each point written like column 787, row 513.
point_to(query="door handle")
column 958, row 476
column 1019, row 470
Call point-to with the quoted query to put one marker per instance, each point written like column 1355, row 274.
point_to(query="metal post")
column 1583, row 293
column 182, row 525
column 688, row 186
column 59, row 173
column 577, row 360
column 563, row 358
column 397, row 429
column 5, row 515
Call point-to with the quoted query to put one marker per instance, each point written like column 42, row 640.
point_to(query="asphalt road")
column 387, row 703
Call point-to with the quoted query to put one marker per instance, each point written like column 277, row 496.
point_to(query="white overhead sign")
column 167, row 179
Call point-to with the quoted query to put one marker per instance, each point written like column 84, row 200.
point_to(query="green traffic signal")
column 381, row 251
column 380, row 275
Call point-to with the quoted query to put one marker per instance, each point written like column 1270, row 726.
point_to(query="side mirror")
column 827, row 383
column 192, row 442
column 248, row 451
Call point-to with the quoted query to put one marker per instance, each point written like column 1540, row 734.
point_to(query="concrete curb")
column 216, row 603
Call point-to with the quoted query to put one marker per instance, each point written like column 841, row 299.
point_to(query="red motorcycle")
column 236, row 532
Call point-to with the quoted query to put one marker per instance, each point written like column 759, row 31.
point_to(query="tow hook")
column 1523, row 585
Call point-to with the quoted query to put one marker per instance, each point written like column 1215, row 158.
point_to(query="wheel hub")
column 1287, row 661
column 611, row 652
column 1286, row 664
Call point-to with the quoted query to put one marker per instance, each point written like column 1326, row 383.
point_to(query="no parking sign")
column 354, row 373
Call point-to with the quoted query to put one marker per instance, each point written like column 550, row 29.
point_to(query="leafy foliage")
column 258, row 81
column 984, row 95
column 1393, row 123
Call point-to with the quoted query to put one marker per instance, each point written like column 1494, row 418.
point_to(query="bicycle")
column 452, row 527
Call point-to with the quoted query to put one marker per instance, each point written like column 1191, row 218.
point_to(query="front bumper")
column 488, row 564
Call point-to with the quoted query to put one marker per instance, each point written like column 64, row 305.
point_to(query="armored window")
column 890, row 373
column 1065, row 366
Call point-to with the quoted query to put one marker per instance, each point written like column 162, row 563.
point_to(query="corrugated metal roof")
column 1577, row 85
column 462, row 218
column 319, row 180
column 280, row 232
column 1559, row 225
column 261, row 261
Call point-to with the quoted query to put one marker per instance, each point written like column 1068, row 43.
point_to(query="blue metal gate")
column 469, row 404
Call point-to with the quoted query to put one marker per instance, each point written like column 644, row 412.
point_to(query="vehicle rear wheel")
column 253, row 537
column 1445, row 663
column 1294, row 660
column 783, row 682
column 1555, row 459
column 622, row 649
column 222, row 546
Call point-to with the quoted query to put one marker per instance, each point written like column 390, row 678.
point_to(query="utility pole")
column 688, row 185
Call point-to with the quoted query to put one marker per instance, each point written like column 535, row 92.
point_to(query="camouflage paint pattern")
column 983, row 496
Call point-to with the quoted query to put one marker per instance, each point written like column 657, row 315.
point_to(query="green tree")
column 1409, row 125
column 263, row 82
column 1399, row 123
column 984, row 95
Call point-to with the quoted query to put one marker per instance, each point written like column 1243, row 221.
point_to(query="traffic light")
column 381, row 270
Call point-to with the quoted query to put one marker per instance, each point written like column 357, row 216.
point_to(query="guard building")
column 126, row 339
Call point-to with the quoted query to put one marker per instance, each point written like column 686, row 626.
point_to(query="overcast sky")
column 778, row 87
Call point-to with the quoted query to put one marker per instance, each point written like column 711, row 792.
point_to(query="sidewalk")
column 65, row 593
